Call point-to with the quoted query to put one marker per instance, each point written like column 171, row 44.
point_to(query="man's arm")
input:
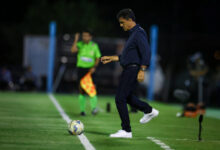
column 144, row 49
column 108, row 59
column 92, row 70
column 74, row 48
column 96, row 62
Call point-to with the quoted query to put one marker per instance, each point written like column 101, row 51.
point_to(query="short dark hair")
column 88, row 30
column 126, row 13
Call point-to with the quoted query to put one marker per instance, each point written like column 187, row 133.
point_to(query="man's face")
column 124, row 23
column 86, row 37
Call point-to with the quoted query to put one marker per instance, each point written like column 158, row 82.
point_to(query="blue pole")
column 52, row 44
column 153, row 46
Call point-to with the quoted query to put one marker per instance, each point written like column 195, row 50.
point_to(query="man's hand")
column 140, row 76
column 74, row 48
column 108, row 59
column 77, row 37
column 92, row 70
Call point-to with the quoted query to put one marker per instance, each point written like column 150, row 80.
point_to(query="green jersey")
column 87, row 54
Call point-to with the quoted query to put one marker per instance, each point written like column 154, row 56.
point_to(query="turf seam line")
column 160, row 143
column 83, row 139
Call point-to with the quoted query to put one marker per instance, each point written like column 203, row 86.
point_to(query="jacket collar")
column 134, row 28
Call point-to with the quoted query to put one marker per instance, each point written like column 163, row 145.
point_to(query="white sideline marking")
column 161, row 144
column 191, row 140
column 85, row 142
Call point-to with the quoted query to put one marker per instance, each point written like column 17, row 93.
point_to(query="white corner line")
column 160, row 143
column 83, row 139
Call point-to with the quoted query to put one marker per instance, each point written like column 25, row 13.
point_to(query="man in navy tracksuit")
column 135, row 59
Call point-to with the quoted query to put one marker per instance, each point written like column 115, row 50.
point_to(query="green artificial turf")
column 31, row 121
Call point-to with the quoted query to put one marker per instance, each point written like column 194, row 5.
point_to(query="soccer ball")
column 76, row 127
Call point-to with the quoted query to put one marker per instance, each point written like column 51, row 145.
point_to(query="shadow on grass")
column 90, row 132
column 97, row 133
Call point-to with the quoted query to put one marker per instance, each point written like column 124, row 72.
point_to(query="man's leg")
column 138, row 104
column 94, row 99
column 93, row 102
column 123, row 112
column 149, row 112
column 82, row 101
column 126, row 85
column 82, row 98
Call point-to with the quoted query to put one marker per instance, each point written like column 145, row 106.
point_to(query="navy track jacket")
column 136, row 49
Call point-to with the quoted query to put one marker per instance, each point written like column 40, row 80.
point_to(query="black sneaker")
column 82, row 113
column 95, row 111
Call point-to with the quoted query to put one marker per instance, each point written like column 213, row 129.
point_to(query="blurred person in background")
column 88, row 55
column 135, row 59
column 193, row 92
column 28, row 81
column 6, row 82
column 158, row 83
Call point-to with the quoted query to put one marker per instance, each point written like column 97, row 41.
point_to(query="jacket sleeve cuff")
column 119, row 58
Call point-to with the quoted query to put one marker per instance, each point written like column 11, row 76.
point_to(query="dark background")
column 175, row 18
column 185, row 27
